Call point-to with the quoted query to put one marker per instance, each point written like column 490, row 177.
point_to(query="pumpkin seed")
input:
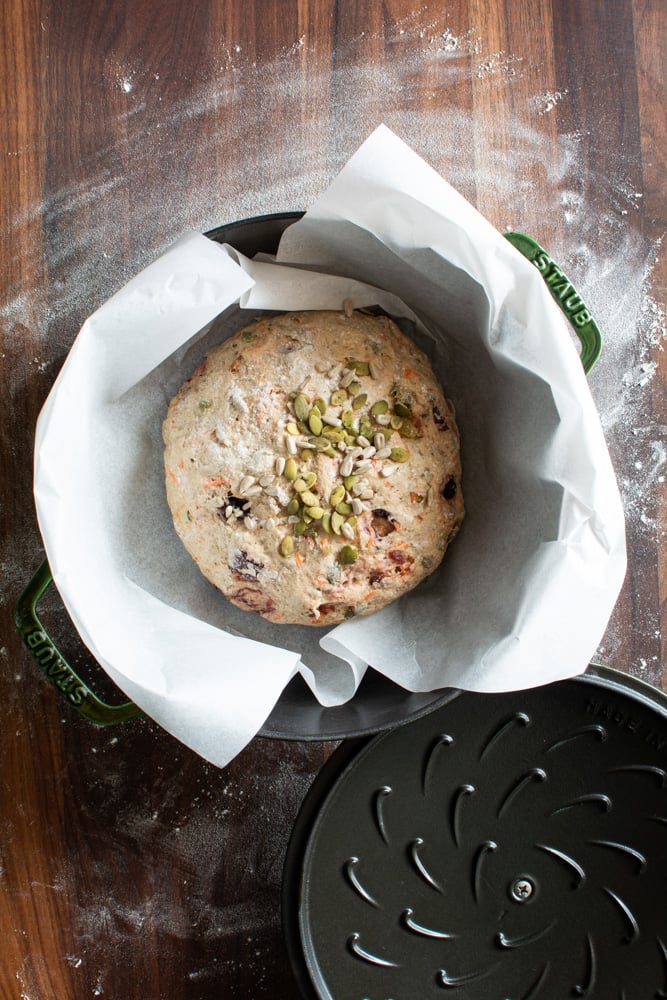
column 306, row 454
column 349, row 481
column 287, row 546
column 408, row 430
column 366, row 430
column 315, row 422
column 399, row 455
column 326, row 522
column 381, row 406
column 300, row 485
column 353, row 388
column 301, row 406
column 309, row 499
column 360, row 367
column 352, row 521
column 359, row 400
column 330, row 451
column 337, row 495
column 337, row 521
column 402, row 409
column 348, row 555
column 299, row 528
column 347, row 416
column 320, row 405
column 344, row 507
column 290, row 470
column 316, row 512
column 293, row 507
column 338, row 397
column 396, row 422
column 291, row 428
column 310, row 478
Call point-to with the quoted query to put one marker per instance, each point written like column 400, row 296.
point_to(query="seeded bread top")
column 312, row 466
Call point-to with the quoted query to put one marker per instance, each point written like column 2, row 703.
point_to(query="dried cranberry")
column 382, row 522
column 397, row 556
column 244, row 567
column 439, row 420
column 254, row 600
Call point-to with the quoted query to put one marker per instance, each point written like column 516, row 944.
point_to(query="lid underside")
column 504, row 847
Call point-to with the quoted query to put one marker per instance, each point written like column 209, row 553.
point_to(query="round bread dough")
column 312, row 466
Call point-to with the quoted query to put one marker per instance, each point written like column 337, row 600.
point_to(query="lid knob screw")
column 522, row 889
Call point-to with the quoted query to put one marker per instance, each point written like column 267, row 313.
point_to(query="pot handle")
column 566, row 297
column 54, row 666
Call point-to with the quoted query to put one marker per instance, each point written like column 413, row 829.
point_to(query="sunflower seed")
column 383, row 453
column 253, row 491
column 266, row 480
column 346, row 466
column 369, row 452
column 388, row 470
column 363, row 466
column 245, row 484
column 279, row 465
column 357, row 506
column 347, row 530
column 290, row 444
column 379, row 440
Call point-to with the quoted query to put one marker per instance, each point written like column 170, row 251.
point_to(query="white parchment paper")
column 526, row 589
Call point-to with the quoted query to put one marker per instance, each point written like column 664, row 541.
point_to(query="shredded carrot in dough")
column 219, row 481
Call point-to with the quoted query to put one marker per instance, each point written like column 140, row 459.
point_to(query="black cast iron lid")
column 504, row 847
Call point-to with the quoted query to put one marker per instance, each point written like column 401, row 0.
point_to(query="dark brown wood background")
column 129, row 868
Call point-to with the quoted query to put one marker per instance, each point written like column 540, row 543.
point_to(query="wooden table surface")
column 129, row 868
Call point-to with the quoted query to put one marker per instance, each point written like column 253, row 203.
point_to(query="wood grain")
column 130, row 868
